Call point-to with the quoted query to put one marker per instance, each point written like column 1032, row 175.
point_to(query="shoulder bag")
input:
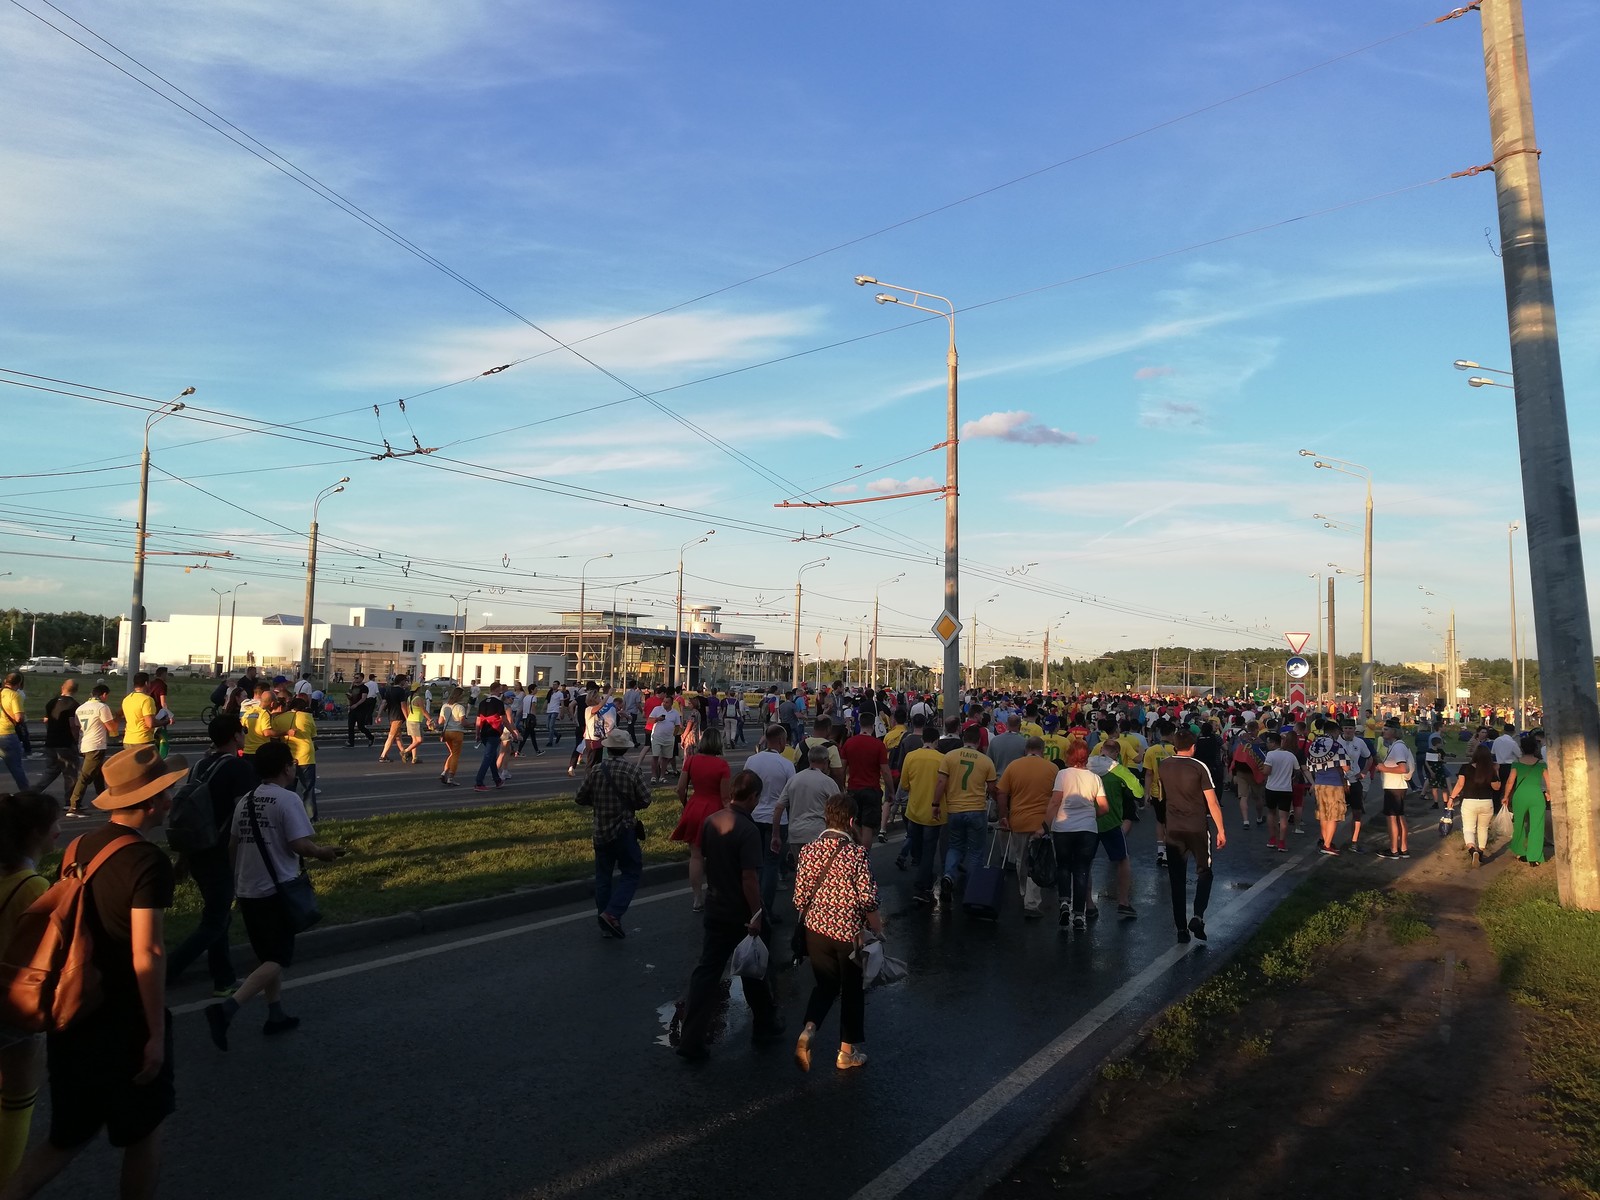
column 297, row 896
column 797, row 940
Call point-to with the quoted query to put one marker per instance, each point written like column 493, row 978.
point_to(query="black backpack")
column 192, row 823
column 219, row 694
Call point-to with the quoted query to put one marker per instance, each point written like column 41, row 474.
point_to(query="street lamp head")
column 1480, row 381
column 346, row 479
column 863, row 280
column 1322, row 465
column 188, row 391
column 1464, row 364
column 337, row 490
column 181, row 407
column 885, row 298
column 1514, row 526
column 1308, row 454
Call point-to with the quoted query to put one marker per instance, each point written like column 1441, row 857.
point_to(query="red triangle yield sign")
column 1297, row 641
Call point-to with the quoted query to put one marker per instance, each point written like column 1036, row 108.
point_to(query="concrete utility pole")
column 583, row 600
column 311, row 578
column 1555, row 553
column 794, row 667
column 1511, row 581
column 136, row 614
column 1333, row 658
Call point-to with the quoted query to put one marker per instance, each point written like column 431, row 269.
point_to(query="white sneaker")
column 571, row 771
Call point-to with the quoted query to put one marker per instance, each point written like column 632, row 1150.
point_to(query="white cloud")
column 1168, row 413
column 704, row 338
column 889, row 485
column 29, row 585
column 1019, row 427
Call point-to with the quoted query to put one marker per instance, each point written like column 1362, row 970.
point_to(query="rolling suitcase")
column 986, row 885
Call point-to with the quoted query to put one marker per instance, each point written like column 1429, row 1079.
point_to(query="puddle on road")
column 729, row 1018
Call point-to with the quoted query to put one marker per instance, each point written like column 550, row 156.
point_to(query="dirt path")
column 1398, row 1069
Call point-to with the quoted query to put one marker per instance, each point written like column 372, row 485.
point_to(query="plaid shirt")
column 616, row 790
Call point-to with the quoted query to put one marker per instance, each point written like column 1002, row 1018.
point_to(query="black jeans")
column 836, row 975
column 1074, row 860
column 721, row 938
column 1179, row 847
column 530, row 733
column 213, row 875
column 360, row 720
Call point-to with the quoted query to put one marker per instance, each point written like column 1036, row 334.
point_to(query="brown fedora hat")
column 136, row 774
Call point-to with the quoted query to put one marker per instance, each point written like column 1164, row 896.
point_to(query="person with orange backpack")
column 109, row 1063
column 30, row 822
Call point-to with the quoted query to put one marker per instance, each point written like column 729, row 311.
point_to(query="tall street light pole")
column 952, row 574
column 873, row 683
column 460, row 631
column 136, row 629
column 1555, row 548
column 677, row 638
column 583, row 583
column 216, row 641
column 333, row 489
column 1359, row 472
column 233, row 612
column 794, row 667
column 1511, row 581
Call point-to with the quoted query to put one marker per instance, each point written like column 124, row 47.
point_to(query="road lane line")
column 937, row 1146
column 481, row 939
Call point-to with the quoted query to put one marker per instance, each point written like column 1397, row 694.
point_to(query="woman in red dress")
column 708, row 774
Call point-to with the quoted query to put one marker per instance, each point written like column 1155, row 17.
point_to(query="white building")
column 382, row 641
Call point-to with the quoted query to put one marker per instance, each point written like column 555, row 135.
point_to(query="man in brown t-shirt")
column 1022, row 795
column 1191, row 796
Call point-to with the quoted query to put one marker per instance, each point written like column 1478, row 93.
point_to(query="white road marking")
column 394, row 960
column 938, row 1145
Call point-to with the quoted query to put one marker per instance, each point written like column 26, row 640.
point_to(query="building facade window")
column 427, row 647
column 408, row 646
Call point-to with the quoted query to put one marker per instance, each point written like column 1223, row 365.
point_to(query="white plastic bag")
column 1500, row 825
column 750, row 958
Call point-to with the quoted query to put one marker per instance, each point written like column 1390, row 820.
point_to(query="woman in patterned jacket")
column 835, row 890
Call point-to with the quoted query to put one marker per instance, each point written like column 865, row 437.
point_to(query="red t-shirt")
column 864, row 759
column 652, row 711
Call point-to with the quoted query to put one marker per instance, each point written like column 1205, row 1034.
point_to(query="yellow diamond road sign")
column 946, row 628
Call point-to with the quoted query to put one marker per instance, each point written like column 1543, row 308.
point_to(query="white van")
column 45, row 665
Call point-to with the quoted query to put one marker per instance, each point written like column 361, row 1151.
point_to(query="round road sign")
column 1297, row 667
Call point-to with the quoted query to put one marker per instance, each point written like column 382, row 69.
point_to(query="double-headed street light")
column 460, row 633
column 952, row 598
column 677, row 639
column 794, row 667
column 1478, row 381
column 233, row 612
column 333, row 489
column 582, row 602
column 136, row 629
column 1359, row 472
column 873, row 670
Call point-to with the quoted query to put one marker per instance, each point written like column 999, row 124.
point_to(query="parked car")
column 45, row 665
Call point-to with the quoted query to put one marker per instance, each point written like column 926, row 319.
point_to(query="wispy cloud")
column 1144, row 373
column 1166, row 414
column 30, row 585
column 889, row 485
column 1020, row 427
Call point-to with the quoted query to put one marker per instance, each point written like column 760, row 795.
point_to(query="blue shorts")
column 1114, row 843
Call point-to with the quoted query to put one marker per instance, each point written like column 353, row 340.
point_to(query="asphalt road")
column 529, row 1058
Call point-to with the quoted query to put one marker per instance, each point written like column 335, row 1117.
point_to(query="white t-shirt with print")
column 281, row 816
column 92, row 718
column 1281, row 766
column 1400, row 753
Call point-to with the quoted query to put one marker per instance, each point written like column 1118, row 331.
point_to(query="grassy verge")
column 1550, row 960
column 406, row 861
column 1285, row 951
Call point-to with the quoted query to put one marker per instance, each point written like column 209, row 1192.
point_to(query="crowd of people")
column 1025, row 787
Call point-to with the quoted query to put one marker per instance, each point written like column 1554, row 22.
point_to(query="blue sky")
column 589, row 164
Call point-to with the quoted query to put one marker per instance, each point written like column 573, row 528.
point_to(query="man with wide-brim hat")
column 111, row 1068
column 615, row 789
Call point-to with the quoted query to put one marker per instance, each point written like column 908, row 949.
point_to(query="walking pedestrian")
column 140, row 718
column 1077, row 799
column 392, row 712
column 99, row 725
column 925, row 815
column 711, row 780
column 13, row 724
column 1191, row 797
column 490, row 721
column 30, row 822
column 303, row 745
column 452, row 725
column 1397, row 768
column 1330, row 772
column 867, row 779
column 1359, row 755
column 228, row 777
column 1527, row 788
column 416, row 714
column 615, row 791
column 112, row 1068
column 1282, row 767
column 271, row 834
column 1476, row 787
column 61, row 736
column 731, row 846
column 1022, row 797
column 775, row 770
column 964, row 789
column 358, row 715
column 834, row 874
